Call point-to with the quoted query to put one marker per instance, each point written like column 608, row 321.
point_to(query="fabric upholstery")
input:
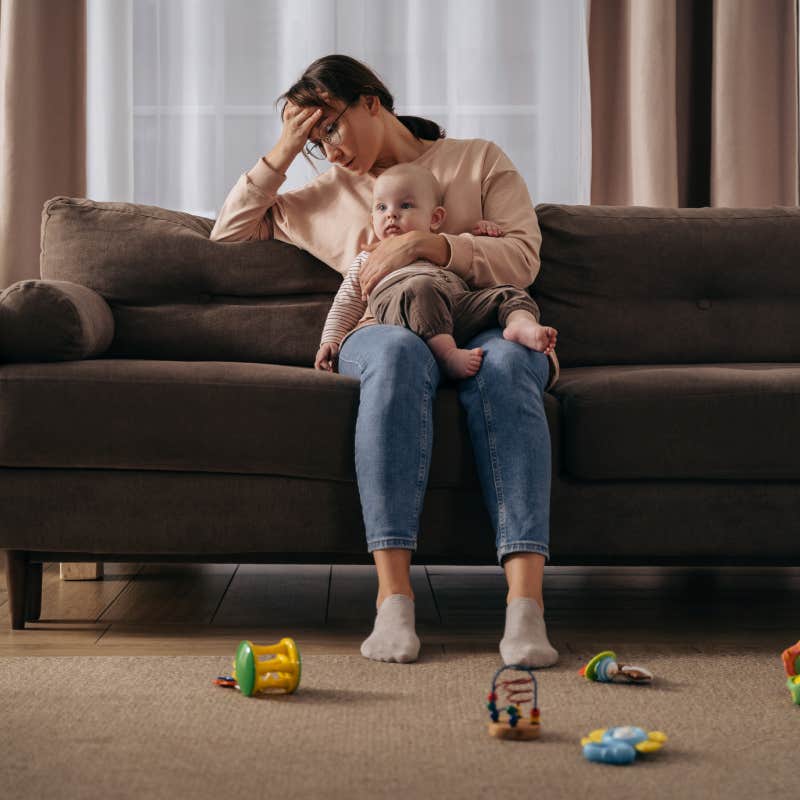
column 53, row 321
column 711, row 421
column 269, row 330
column 175, row 294
column 636, row 285
column 132, row 253
column 237, row 517
column 206, row 416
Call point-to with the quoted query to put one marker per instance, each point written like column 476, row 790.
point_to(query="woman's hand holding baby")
column 386, row 256
column 485, row 227
column 325, row 355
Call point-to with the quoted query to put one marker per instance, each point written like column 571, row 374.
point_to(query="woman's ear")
column 438, row 217
column 373, row 103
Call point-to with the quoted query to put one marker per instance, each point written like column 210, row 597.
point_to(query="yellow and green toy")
column 791, row 664
column 621, row 745
column 605, row 668
column 264, row 668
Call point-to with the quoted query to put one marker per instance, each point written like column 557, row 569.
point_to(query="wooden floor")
column 176, row 609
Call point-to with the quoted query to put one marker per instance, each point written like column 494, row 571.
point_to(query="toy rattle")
column 791, row 664
column 605, row 668
column 517, row 691
column 280, row 671
column 620, row 745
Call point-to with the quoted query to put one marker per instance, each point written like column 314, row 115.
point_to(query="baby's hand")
column 552, row 338
column 325, row 356
column 484, row 227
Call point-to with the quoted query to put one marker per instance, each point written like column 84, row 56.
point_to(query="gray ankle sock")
column 525, row 637
column 394, row 637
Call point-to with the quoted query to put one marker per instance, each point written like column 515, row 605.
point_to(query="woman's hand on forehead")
column 326, row 111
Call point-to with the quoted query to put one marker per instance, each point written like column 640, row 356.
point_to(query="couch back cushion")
column 638, row 285
column 175, row 294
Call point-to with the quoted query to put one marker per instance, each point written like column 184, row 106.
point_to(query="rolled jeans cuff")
column 391, row 543
column 522, row 547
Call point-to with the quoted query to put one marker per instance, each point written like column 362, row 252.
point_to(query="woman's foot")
column 526, row 330
column 393, row 637
column 458, row 363
column 525, row 637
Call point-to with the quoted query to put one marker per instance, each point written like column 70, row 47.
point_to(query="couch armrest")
column 49, row 320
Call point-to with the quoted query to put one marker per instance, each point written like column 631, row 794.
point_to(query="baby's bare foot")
column 531, row 334
column 459, row 363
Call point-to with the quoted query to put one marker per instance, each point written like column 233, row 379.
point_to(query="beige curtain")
column 694, row 102
column 42, row 121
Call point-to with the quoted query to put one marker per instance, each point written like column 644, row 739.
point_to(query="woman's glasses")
column 332, row 136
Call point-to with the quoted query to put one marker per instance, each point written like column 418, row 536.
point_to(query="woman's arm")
column 400, row 251
column 483, row 261
column 245, row 213
column 432, row 247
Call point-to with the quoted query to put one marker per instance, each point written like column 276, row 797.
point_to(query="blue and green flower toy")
column 621, row 745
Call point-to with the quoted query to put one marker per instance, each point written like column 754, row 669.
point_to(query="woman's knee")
column 504, row 360
column 394, row 349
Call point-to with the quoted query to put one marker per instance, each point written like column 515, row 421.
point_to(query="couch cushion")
column 713, row 421
column 638, row 285
column 205, row 416
column 268, row 330
column 175, row 294
column 133, row 253
column 53, row 321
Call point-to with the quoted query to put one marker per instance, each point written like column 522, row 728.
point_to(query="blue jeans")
column 394, row 435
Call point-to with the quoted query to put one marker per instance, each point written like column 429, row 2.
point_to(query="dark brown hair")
column 347, row 79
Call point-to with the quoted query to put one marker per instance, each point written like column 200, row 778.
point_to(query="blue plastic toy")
column 620, row 745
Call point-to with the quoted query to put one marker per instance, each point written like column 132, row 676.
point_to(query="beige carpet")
column 151, row 727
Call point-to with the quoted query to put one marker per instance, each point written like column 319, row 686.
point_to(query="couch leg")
column 16, row 575
column 24, row 579
column 33, row 591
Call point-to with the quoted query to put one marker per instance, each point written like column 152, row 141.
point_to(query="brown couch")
column 159, row 402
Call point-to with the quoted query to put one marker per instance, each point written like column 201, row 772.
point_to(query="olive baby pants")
column 435, row 301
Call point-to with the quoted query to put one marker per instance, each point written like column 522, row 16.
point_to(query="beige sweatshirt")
column 330, row 216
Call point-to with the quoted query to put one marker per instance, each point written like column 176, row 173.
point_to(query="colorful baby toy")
column 252, row 674
column 791, row 664
column 620, row 745
column 605, row 668
column 517, row 691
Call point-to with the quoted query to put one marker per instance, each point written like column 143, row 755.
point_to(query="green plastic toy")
column 791, row 665
column 267, row 667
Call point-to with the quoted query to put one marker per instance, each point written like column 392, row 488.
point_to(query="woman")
column 340, row 110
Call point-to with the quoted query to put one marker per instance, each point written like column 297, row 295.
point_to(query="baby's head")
column 408, row 197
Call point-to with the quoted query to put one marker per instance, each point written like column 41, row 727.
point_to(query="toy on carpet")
column 605, row 668
column 517, row 692
column 252, row 674
column 791, row 664
column 620, row 745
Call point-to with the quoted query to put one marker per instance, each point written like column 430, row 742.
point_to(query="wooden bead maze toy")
column 516, row 692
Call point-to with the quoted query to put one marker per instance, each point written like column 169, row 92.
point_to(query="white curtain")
column 181, row 93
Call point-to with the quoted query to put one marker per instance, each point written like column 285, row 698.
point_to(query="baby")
column 434, row 303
